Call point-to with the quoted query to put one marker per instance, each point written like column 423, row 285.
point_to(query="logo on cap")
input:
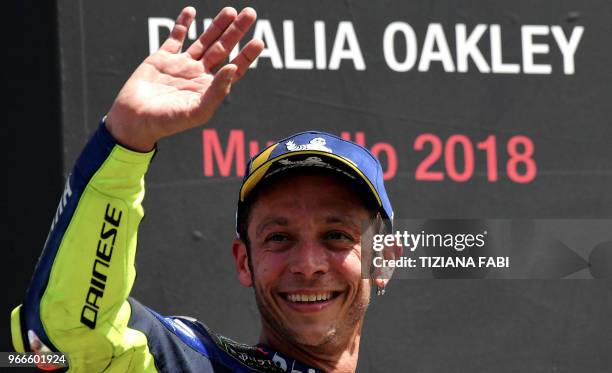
column 318, row 143
column 310, row 161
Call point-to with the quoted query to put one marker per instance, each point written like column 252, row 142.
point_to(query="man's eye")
column 337, row 235
column 277, row 237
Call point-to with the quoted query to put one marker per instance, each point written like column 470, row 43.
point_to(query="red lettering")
column 213, row 150
column 490, row 147
column 521, row 157
column 468, row 158
column 422, row 171
column 234, row 153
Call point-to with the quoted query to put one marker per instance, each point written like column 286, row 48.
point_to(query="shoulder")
column 181, row 343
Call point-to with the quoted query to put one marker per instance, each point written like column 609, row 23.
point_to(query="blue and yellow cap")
column 319, row 149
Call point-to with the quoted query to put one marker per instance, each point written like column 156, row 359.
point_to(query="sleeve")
column 77, row 300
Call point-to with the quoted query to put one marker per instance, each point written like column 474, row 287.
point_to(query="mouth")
column 309, row 301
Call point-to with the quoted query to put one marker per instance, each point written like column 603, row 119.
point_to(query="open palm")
column 172, row 91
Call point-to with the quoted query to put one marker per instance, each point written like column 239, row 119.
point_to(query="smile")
column 309, row 297
column 312, row 298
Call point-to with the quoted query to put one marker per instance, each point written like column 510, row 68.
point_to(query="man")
column 301, row 213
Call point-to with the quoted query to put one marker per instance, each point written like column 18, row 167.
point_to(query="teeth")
column 309, row 297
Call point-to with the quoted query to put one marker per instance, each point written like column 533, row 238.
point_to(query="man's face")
column 305, row 237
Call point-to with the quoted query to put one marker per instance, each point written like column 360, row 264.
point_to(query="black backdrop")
column 32, row 150
column 184, row 264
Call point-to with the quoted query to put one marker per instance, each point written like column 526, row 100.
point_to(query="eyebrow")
column 270, row 222
column 343, row 220
column 284, row 222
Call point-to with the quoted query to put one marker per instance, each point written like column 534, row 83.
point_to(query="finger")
column 174, row 43
column 216, row 28
column 245, row 58
column 35, row 343
column 219, row 88
column 219, row 50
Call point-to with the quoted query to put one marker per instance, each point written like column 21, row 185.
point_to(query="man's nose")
column 309, row 258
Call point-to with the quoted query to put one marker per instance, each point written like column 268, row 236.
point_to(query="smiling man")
column 304, row 207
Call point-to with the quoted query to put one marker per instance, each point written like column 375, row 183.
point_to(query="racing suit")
column 78, row 301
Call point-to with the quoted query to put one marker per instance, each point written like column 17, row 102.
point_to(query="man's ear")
column 241, row 259
column 383, row 275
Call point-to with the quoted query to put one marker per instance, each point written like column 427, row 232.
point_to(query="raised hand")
column 173, row 91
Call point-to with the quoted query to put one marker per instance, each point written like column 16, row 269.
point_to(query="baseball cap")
column 323, row 150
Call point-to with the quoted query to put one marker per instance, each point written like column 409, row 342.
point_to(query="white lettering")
column 497, row 64
column 155, row 23
column 435, row 37
column 389, row 47
column 280, row 362
column 346, row 33
column 290, row 61
column 263, row 31
column 567, row 48
column 530, row 48
column 468, row 47
column 320, row 45
column 435, row 48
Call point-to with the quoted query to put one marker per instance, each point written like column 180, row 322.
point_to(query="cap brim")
column 263, row 169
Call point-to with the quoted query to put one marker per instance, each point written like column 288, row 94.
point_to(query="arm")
column 77, row 300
